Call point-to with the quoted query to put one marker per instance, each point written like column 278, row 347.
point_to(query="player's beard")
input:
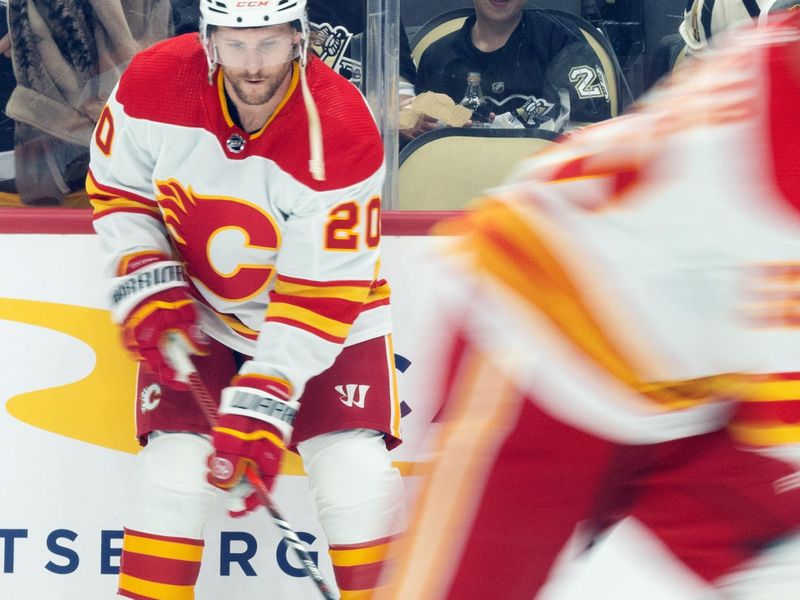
column 255, row 94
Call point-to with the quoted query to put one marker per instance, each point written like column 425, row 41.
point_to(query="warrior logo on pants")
column 352, row 394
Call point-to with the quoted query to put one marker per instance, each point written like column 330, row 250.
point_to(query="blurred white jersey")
column 668, row 266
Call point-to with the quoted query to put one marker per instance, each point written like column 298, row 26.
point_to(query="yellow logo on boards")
column 97, row 409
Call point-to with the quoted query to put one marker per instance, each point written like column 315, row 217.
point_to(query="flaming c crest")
column 210, row 231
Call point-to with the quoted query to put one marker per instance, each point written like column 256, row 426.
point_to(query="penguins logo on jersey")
column 535, row 111
column 333, row 44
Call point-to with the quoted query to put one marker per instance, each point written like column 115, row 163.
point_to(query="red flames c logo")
column 228, row 244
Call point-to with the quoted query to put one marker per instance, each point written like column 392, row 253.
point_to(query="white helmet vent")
column 251, row 13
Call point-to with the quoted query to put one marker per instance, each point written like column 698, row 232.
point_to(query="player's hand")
column 254, row 424
column 151, row 303
column 168, row 313
column 241, row 443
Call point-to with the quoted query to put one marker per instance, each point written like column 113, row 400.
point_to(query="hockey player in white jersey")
column 618, row 336
column 236, row 186
column 707, row 19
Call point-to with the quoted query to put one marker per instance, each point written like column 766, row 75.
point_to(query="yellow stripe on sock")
column 352, row 557
column 151, row 589
column 162, row 548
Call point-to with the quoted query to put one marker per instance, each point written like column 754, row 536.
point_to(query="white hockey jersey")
column 642, row 280
column 707, row 19
column 285, row 268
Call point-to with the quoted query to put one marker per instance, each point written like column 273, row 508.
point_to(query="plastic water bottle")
column 474, row 100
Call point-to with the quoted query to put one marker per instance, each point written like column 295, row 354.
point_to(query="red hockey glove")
column 254, row 424
column 151, row 301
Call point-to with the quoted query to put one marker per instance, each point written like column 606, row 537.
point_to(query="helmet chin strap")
column 211, row 60
column 212, row 66
column 316, row 164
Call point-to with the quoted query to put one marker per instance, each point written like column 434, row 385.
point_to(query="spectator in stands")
column 536, row 71
column 703, row 19
column 67, row 57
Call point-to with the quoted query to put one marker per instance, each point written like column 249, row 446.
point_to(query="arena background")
column 67, row 440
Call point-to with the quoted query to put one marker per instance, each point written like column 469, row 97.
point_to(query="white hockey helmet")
column 251, row 13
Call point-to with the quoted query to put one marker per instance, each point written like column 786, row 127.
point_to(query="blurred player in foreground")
column 618, row 336
column 225, row 226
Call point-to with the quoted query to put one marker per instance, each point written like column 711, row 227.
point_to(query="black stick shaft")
column 209, row 408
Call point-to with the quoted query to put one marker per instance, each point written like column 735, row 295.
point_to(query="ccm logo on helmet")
column 252, row 4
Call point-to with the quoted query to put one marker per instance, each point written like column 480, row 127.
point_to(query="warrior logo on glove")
column 152, row 299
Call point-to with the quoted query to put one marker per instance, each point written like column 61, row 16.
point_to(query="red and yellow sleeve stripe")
column 325, row 309
column 106, row 199
column 511, row 249
column 769, row 414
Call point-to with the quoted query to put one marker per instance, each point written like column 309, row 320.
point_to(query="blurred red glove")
column 151, row 301
column 254, row 424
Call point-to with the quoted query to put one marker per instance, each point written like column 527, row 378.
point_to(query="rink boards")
column 66, row 434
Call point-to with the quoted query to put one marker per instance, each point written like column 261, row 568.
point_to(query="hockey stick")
column 185, row 368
